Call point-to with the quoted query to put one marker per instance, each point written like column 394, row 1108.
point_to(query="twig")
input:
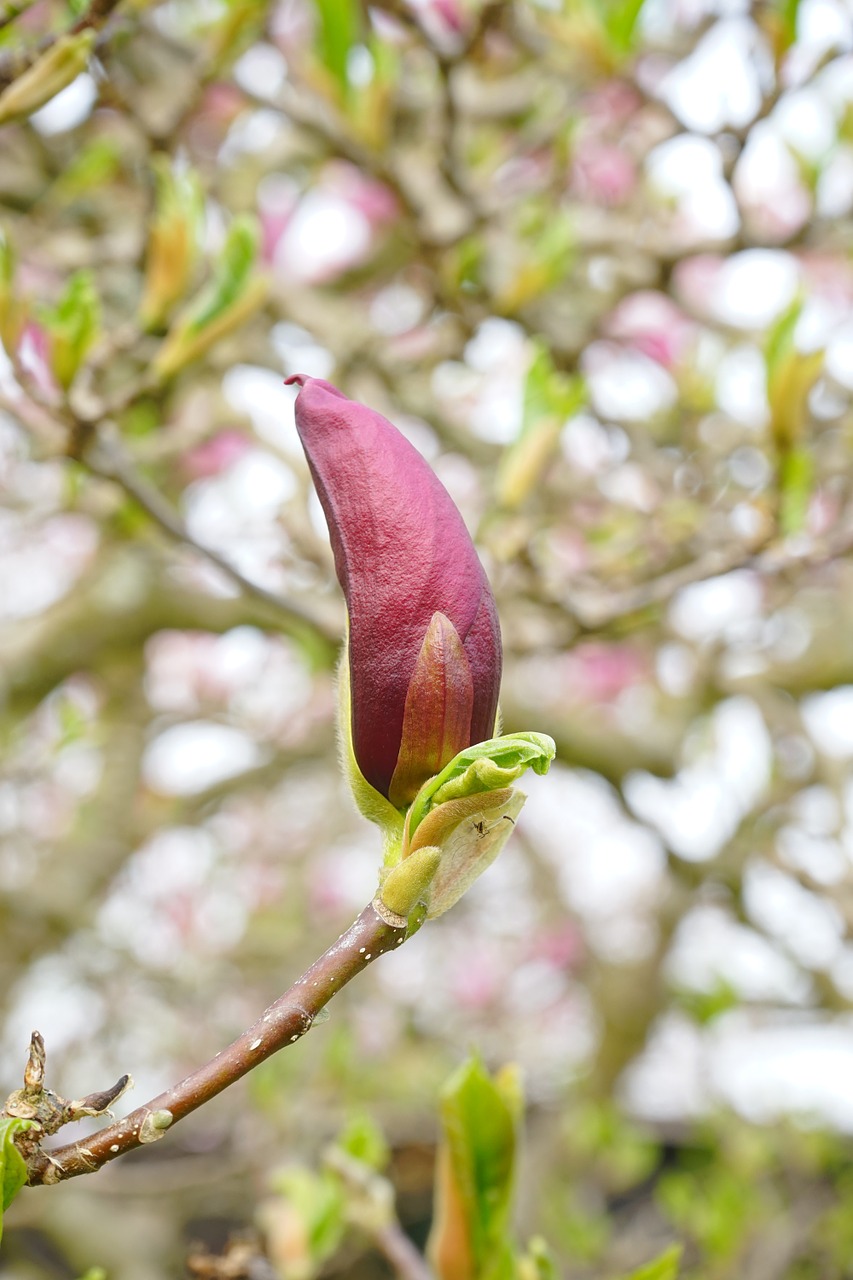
column 283, row 1023
column 107, row 459
column 398, row 1250
column 593, row 610
column 18, row 61
column 370, row 1207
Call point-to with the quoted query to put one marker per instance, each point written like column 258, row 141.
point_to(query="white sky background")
column 608, row 864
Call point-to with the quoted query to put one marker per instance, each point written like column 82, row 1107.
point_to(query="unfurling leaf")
column 173, row 243
column 304, row 1223
column 48, row 76
column 229, row 298
column 791, row 374
column 470, row 1237
column 550, row 397
column 13, row 1168
column 73, row 326
column 486, row 766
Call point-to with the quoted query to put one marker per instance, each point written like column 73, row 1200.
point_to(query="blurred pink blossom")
column 529, row 171
column 444, row 21
column 334, row 226
column 34, row 355
column 598, row 672
column 602, row 172
column 218, row 109
column 653, row 324
column 278, row 197
column 216, row 455
column 694, row 280
column 562, row 947
column 479, row 981
column 823, row 512
column 372, row 198
column 828, row 276
column 611, row 104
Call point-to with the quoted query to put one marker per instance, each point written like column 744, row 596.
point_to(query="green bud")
column 73, row 326
column 408, row 883
column 48, row 76
column 231, row 296
column 11, row 309
column 173, row 243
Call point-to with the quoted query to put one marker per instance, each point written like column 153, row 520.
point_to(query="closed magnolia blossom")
column 424, row 640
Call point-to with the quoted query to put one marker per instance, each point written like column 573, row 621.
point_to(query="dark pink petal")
column 402, row 554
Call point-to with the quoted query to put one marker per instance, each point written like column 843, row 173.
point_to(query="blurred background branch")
column 594, row 260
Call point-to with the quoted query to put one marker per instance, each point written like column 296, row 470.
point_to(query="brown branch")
column 106, row 458
column 20, row 60
column 370, row 1202
column 594, row 610
column 399, row 1252
column 283, row 1023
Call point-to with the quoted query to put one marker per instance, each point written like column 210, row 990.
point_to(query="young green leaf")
column 173, row 242
column 73, row 326
column 318, row 1205
column 470, row 1239
column 620, row 23
column 363, row 1140
column 337, row 31
column 13, row 1168
column 486, row 766
column 550, row 397
column 222, row 305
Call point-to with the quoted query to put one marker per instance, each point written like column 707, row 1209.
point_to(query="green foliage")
column 704, row 1006
column 788, row 11
column 338, row 29
column 231, row 295
column 173, row 241
column 546, row 248
column 602, row 1137
column 89, row 171
column 791, row 375
column 73, row 326
column 13, row 1168
column 364, row 1141
column 796, row 486
column 61, row 63
column 665, row 1267
column 484, row 767
column 317, row 1204
column 550, row 398
column 474, row 1187
column 230, row 274
column 11, row 309
column 537, row 1262
column 716, row 1207
column 619, row 19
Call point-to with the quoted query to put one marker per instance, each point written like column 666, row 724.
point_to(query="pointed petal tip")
column 305, row 382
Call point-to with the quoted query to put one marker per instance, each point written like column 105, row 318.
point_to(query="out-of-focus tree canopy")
column 593, row 257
